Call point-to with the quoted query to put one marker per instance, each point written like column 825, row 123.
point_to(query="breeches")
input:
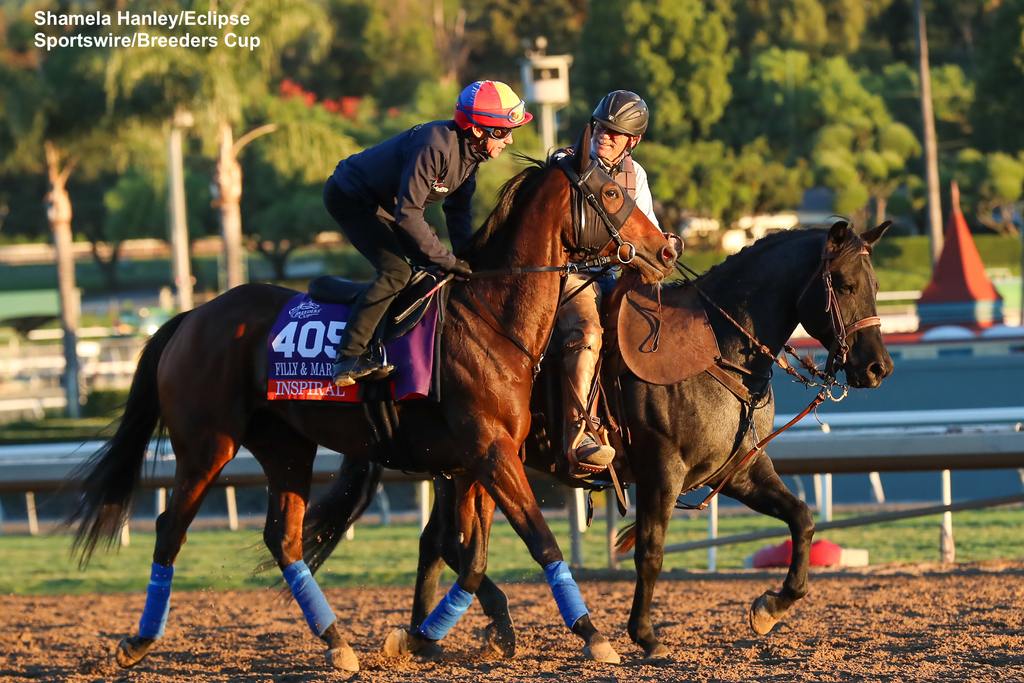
column 377, row 241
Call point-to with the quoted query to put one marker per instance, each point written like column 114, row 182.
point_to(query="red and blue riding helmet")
column 490, row 104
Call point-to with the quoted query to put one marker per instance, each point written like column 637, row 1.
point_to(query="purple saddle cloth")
column 301, row 351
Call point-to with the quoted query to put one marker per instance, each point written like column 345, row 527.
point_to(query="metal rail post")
column 424, row 487
column 229, row 494
column 610, row 509
column 816, row 479
column 876, row 487
column 126, row 536
column 826, row 507
column 713, row 533
column 160, row 503
column 947, row 548
column 577, row 524
column 384, row 503
column 30, row 510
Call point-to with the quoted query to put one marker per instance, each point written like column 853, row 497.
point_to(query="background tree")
column 223, row 86
column 999, row 114
column 55, row 125
column 285, row 172
column 674, row 53
column 994, row 185
column 813, row 26
column 864, row 165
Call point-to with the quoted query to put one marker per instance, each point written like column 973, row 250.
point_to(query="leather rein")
column 584, row 185
column 836, row 359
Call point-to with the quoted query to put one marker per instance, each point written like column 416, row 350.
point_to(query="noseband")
column 841, row 332
column 836, row 358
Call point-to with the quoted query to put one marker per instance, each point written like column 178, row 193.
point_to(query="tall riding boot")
column 592, row 455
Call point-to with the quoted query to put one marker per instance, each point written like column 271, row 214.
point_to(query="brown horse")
column 688, row 434
column 203, row 376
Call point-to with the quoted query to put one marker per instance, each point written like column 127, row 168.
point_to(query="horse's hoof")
column 130, row 651
column 761, row 620
column 397, row 644
column 343, row 659
column 600, row 650
column 426, row 650
column 656, row 652
column 501, row 640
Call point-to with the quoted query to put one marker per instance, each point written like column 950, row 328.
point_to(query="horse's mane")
column 521, row 184
column 781, row 238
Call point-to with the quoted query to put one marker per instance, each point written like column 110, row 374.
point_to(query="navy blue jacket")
column 428, row 163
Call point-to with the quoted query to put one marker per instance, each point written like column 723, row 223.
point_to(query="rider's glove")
column 460, row 268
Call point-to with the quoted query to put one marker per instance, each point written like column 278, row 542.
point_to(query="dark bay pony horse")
column 684, row 435
column 203, row 377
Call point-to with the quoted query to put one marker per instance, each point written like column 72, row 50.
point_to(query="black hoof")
column 427, row 650
column 500, row 639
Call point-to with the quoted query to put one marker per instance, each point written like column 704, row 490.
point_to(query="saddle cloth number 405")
column 308, row 340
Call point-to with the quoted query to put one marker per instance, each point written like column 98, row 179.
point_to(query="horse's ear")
column 838, row 234
column 874, row 234
column 582, row 152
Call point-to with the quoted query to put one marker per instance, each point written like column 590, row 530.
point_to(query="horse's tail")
column 108, row 479
column 332, row 514
column 626, row 538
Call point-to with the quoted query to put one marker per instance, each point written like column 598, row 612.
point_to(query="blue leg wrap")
column 309, row 596
column 158, row 602
column 566, row 592
column 447, row 613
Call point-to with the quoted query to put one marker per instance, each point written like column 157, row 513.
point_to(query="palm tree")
column 223, row 87
column 54, row 125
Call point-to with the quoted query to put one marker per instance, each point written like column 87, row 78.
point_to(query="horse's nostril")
column 668, row 255
column 877, row 369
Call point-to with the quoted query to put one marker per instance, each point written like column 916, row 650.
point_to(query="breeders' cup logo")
column 437, row 186
column 307, row 309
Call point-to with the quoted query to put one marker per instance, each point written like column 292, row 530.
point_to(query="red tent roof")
column 959, row 276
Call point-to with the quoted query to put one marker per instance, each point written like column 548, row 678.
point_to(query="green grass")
column 222, row 560
column 56, row 429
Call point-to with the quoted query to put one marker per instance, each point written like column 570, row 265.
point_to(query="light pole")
column 546, row 82
column 931, row 154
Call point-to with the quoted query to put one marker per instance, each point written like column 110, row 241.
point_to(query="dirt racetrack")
column 918, row 623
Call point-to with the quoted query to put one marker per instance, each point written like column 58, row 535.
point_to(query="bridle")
column 838, row 352
column 589, row 186
column 841, row 331
column 589, row 242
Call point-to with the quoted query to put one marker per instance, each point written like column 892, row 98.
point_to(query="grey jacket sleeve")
column 458, row 213
column 413, row 190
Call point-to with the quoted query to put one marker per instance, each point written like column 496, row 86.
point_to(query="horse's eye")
column 611, row 194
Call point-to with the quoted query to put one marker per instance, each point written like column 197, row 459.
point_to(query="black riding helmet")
column 622, row 111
